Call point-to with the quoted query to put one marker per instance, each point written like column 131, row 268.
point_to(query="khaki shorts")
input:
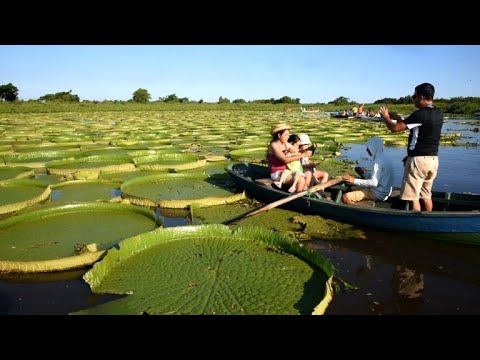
column 360, row 193
column 418, row 176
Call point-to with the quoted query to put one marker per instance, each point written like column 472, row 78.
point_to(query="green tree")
column 141, row 96
column 239, row 101
column 8, row 92
column 287, row 100
column 392, row 101
column 341, row 101
column 171, row 98
column 65, row 96
column 222, row 100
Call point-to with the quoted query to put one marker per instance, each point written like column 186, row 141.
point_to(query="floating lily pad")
column 52, row 233
column 95, row 163
column 176, row 162
column 15, row 172
column 177, row 191
column 38, row 159
column 210, row 269
column 252, row 154
column 17, row 194
column 47, row 179
column 85, row 190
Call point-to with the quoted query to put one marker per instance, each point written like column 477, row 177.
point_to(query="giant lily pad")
column 177, row 191
column 252, row 154
column 38, row 159
column 15, row 172
column 176, row 162
column 53, row 232
column 17, row 194
column 210, row 269
column 85, row 190
column 94, row 163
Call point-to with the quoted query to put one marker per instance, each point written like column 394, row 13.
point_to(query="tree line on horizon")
column 455, row 105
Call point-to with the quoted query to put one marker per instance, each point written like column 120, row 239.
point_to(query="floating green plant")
column 210, row 269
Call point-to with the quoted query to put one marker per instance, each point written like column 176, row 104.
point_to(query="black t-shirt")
column 424, row 139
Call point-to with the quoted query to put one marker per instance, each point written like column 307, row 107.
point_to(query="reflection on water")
column 47, row 294
column 399, row 275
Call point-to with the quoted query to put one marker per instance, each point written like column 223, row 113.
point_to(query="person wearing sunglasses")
column 421, row 163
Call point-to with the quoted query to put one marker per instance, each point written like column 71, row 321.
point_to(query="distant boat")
column 477, row 113
column 338, row 114
column 370, row 118
column 303, row 110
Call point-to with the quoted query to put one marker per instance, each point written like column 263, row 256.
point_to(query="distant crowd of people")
column 358, row 112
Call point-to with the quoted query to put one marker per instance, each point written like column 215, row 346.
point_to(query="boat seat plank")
column 338, row 198
column 382, row 204
column 395, row 193
column 264, row 181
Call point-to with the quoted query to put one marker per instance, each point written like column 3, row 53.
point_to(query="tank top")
column 274, row 164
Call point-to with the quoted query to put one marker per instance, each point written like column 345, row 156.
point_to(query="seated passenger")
column 277, row 160
column 380, row 184
column 318, row 177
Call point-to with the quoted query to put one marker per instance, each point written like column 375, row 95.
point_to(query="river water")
column 390, row 272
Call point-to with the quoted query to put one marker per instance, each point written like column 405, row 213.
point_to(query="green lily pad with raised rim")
column 16, row 194
column 177, row 191
column 169, row 161
column 15, row 172
column 209, row 269
column 252, row 154
column 38, row 159
column 53, row 232
column 96, row 163
column 85, row 190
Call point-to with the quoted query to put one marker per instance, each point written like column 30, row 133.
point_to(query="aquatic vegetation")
column 210, row 269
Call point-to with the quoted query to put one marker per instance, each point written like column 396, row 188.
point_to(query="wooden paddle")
column 274, row 204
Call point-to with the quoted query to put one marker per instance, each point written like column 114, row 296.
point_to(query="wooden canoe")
column 455, row 216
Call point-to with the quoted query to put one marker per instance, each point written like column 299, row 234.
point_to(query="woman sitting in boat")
column 380, row 184
column 277, row 160
column 294, row 168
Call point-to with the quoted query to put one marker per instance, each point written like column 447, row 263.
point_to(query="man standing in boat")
column 421, row 163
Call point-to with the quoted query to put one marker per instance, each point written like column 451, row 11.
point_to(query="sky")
column 313, row 73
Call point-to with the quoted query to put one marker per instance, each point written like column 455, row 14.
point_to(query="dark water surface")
column 394, row 273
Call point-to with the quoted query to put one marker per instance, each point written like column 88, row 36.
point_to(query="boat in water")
column 455, row 216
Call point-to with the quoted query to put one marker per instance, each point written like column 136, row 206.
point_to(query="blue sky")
column 313, row 73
